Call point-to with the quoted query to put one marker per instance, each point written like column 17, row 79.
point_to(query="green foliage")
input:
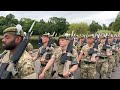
column 116, row 24
column 80, row 28
column 104, row 27
column 94, row 27
column 58, row 25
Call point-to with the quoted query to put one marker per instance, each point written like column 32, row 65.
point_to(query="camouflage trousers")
column 116, row 57
column 111, row 66
column 39, row 68
column 119, row 56
column 102, row 68
column 88, row 71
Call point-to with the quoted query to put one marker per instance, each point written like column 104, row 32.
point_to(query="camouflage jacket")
column 85, row 50
column 25, row 66
column 57, row 54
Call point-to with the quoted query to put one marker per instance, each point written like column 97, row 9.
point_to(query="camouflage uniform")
column 43, row 63
column 102, row 64
column 87, row 71
column 25, row 66
column 111, row 67
column 57, row 54
column 116, row 56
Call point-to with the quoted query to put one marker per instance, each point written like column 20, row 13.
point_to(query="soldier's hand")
column 66, row 74
column 42, row 59
column 41, row 76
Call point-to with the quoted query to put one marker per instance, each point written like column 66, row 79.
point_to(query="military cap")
column 14, row 31
column 110, row 36
column 47, row 35
column 82, row 36
column 90, row 36
column 65, row 37
column 102, row 37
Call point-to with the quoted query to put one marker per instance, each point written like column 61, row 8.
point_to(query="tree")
column 94, row 27
column 9, row 19
column 59, row 25
column 104, row 27
column 116, row 24
column 110, row 26
column 26, row 23
column 78, row 28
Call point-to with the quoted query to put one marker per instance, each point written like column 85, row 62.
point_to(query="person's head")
column 12, row 38
column 115, row 37
column 110, row 39
column 82, row 38
column 90, row 39
column 102, row 39
column 45, row 38
column 64, row 41
column 76, row 38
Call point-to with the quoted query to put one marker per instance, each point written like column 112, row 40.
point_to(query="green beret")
column 46, row 35
column 82, row 36
column 13, row 30
column 90, row 36
column 64, row 37
column 102, row 37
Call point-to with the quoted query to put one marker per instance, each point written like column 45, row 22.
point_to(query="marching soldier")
column 102, row 63
column 11, row 39
column 63, row 59
column 43, row 56
column 88, row 65
column 111, row 60
column 80, row 44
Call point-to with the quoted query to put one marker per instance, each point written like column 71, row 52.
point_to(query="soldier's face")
column 45, row 39
column 82, row 39
column 63, row 42
column 102, row 40
column 90, row 40
column 115, row 38
column 76, row 39
column 109, row 40
column 8, row 42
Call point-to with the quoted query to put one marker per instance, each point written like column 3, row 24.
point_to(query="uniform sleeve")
column 56, row 53
column 75, row 54
column 83, row 48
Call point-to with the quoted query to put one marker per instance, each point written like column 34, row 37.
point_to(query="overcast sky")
column 102, row 17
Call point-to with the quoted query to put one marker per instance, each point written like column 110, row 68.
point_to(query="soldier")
column 43, row 56
column 88, row 65
column 11, row 39
column 80, row 44
column 65, row 68
column 102, row 63
column 115, row 51
column 76, row 39
column 111, row 60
